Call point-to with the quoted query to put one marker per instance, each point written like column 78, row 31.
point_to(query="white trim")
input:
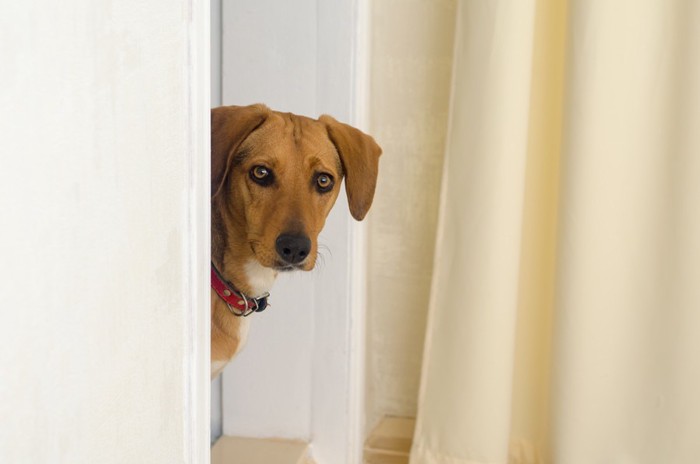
column 197, row 242
column 361, row 65
column 339, row 364
column 356, row 355
column 216, row 419
column 358, row 247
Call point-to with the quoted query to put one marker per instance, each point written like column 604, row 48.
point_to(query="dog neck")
column 233, row 256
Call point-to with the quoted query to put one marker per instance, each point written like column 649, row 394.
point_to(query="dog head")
column 275, row 177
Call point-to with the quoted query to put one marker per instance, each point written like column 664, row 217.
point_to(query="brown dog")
column 274, row 179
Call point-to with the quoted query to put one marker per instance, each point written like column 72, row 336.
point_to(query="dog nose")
column 293, row 248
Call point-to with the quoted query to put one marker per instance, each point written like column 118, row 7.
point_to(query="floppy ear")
column 230, row 125
column 359, row 154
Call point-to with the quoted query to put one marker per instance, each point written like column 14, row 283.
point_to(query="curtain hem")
column 520, row 452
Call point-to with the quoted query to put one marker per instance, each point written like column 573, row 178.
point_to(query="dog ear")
column 230, row 125
column 359, row 155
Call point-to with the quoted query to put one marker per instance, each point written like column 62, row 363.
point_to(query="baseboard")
column 390, row 441
column 239, row 450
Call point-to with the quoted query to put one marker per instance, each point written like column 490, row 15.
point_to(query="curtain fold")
column 468, row 362
column 564, row 323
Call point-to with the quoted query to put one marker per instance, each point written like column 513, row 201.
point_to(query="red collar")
column 237, row 302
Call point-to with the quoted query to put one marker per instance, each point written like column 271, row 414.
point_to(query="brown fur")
column 248, row 218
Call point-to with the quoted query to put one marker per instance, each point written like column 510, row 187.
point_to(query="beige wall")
column 411, row 46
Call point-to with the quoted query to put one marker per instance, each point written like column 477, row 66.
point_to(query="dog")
column 274, row 179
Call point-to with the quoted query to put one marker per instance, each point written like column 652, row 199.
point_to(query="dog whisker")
column 320, row 263
column 321, row 257
column 324, row 248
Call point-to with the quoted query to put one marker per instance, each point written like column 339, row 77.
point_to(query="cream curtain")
column 564, row 322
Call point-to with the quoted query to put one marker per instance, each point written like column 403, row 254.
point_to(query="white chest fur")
column 260, row 278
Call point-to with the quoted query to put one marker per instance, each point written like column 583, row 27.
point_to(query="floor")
column 237, row 450
column 390, row 441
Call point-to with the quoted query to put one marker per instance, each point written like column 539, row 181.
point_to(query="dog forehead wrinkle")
column 318, row 163
column 262, row 152
column 265, row 160
column 321, row 151
column 241, row 156
column 297, row 132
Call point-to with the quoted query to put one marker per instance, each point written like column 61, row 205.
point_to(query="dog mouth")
column 286, row 267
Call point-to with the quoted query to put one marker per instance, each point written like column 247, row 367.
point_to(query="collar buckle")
column 252, row 305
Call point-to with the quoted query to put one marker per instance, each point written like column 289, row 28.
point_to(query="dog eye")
column 324, row 182
column 261, row 175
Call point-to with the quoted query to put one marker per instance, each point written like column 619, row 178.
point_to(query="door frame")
column 196, row 352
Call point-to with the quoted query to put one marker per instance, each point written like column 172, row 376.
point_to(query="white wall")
column 296, row 377
column 410, row 71
column 104, row 237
